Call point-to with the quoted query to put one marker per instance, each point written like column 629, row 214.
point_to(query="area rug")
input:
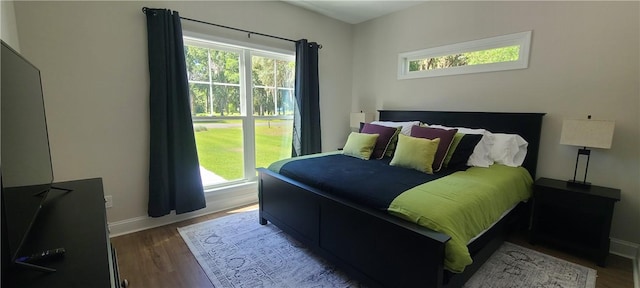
column 516, row 266
column 236, row 251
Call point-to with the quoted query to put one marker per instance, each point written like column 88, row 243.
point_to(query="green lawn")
column 220, row 148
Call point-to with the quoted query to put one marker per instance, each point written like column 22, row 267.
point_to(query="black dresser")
column 75, row 221
column 575, row 218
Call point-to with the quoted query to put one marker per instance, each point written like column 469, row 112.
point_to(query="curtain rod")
column 249, row 33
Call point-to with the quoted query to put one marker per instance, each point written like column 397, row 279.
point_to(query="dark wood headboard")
column 527, row 125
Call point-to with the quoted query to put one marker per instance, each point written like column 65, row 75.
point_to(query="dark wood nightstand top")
column 593, row 190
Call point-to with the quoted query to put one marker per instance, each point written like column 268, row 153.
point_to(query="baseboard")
column 628, row 250
column 217, row 201
column 623, row 248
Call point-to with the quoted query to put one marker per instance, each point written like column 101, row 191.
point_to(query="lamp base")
column 580, row 184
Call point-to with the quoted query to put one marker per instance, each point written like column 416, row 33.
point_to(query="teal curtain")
column 174, row 171
column 306, row 119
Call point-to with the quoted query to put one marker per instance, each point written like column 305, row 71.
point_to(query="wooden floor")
column 159, row 258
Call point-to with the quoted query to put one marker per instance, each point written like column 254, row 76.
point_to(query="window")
column 491, row 54
column 242, row 108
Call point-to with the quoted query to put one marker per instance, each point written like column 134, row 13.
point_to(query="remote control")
column 44, row 255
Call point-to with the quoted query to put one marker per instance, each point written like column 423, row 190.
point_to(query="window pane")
column 273, row 140
column 271, row 75
column 286, row 73
column 220, row 150
column 225, row 66
column 263, row 101
column 263, row 71
column 504, row 54
column 226, row 100
column 197, row 62
column 496, row 55
column 285, row 101
column 200, row 103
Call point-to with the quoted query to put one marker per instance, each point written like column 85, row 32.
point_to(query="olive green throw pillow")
column 360, row 145
column 415, row 153
column 452, row 148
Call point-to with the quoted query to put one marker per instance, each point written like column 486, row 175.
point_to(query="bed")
column 375, row 247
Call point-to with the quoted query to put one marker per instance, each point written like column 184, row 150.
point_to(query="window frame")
column 245, row 50
column 522, row 39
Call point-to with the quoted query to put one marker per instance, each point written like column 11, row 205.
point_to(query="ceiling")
column 354, row 11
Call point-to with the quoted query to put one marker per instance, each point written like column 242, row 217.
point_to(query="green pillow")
column 452, row 148
column 393, row 143
column 360, row 145
column 415, row 153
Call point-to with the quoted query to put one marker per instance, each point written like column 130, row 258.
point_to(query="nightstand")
column 575, row 218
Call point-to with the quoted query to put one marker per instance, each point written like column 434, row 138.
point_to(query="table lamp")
column 359, row 117
column 586, row 134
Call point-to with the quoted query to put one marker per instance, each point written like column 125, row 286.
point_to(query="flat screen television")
column 25, row 159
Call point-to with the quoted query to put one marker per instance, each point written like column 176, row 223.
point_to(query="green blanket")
column 464, row 204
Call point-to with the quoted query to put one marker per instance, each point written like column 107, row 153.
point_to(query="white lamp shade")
column 361, row 117
column 587, row 133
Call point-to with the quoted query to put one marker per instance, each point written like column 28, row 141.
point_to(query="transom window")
column 491, row 54
column 242, row 108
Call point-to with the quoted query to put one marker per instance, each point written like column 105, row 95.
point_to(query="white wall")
column 93, row 58
column 8, row 31
column 584, row 61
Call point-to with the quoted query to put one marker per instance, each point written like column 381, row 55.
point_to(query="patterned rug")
column 236, row 251
column 516, row 266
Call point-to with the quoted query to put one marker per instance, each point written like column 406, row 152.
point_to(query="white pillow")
column 481, row 156
column 406, row 126
column 481, row 153
column 509, row 149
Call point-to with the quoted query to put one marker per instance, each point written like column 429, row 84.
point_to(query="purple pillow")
column 446, row 137
column 384, row 138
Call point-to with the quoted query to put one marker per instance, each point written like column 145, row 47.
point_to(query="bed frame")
column 373, row 246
